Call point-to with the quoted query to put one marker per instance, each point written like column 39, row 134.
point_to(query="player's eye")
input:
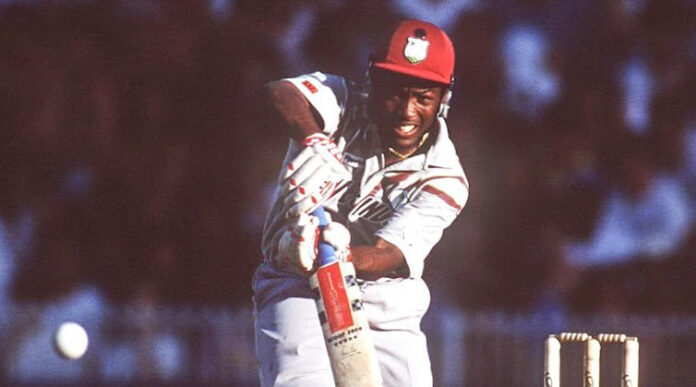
column 424, row 99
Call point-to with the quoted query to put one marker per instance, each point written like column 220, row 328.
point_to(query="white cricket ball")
column 70, row 340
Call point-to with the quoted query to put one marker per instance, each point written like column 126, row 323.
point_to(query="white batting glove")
column 338, row 236
column 297, row 246
column 316, row 174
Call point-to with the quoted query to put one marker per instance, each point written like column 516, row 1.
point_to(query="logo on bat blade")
column 334, row 297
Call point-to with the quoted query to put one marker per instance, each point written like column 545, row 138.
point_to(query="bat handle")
column 325, row 251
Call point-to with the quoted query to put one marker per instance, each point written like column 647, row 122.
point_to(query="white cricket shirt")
column 408, row 204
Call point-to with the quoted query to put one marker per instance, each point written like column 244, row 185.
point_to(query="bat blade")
column 343, row 321
column 344, row 324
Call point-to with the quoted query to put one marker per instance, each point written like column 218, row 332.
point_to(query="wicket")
column 552, row 357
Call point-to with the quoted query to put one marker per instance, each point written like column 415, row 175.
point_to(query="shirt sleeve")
column 327, row 93
column 418, row 225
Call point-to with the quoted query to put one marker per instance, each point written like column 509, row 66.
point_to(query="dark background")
column 133, row 154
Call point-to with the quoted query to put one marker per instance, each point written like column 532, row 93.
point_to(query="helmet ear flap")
column 370, row 63
column 444, row 105
column 368, row 72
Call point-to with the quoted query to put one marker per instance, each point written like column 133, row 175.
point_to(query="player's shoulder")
column 451, row 182
column 316, row 81
column 442, row 159
column 444, row 175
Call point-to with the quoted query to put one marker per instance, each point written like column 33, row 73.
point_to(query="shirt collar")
column 442, row 152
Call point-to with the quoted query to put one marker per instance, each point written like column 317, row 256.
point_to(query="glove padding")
column 297, row 246
column 316, row 174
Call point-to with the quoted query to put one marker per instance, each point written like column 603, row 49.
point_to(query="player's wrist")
column 344, row 254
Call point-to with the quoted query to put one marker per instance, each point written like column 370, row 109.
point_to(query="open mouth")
column 405, row 129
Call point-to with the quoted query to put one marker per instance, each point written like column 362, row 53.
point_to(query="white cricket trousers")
column 291, row 350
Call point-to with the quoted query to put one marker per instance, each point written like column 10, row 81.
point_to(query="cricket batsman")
column 379, row 160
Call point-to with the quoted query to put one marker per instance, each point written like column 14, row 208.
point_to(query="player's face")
column 404, row 108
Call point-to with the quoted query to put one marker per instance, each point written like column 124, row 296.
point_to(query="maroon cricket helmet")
column 418, row 49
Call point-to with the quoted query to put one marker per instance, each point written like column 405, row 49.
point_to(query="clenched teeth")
column 406, row 128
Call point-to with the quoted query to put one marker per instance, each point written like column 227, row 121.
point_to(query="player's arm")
column 297, row 247
column 401, row 245
column 417, row 226
column 292, row 111
column 309, row 108
column 381, row 260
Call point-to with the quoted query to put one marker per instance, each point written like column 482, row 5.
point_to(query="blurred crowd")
column 134, row 155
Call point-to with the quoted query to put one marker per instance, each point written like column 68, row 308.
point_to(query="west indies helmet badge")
column 416, row 49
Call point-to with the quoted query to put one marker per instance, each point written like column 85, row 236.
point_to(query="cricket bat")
column 343, row 321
